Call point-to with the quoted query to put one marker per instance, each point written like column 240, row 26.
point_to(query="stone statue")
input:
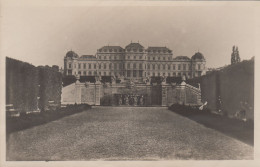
column 120, row 100
column 164, row 79
column 113, row 79
column 98, row 78
column 135, row 100
column 183, row 78
column 142, row 100
column 126, row 100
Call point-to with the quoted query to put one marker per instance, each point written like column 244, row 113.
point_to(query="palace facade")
column 134, row 61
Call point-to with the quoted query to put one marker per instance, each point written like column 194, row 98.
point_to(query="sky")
column 42, row 33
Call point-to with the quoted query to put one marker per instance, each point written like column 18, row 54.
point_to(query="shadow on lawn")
column 238, row 129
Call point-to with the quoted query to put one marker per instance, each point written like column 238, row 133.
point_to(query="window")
column 148, row 73
column 134, row 73
column 154, row 66
column 94, row 66
column 159, row 58
column 163, row 58
column 109, row 73
column 174, row 67
column 105, row 50
column 159, row 74
column 159, row 66
column 148, row 58
column 128, row 73
column 140, row 66
column 134, row 66
column 179, row 67
column 85, row 73
column 169, row 74
column 105, row 73
column 199, row 67
column 84, row 65
column 110, row 66
column 89, row 66
column 184, row 66
column 134, row 57
column 115, row 50
column 169, row 58
column 79, row 65
column 79, row 72
column 140, row 74
column 110, row 50
column 115, row 57
column 134, row 50
column 128, row 57
column 169, row 67
column 115, row 66
column 99, row 57
column 105, row 57
column 69, row 72
column 189, row 67
column 99, row 73
column 99, row 66
column 105, row 66
column 140, row 57
column 90, row 73
column 153, row 74
column 174, row 74
column 164, row 66
column 153, row 58
column 69, row 65
column 179, row 74
column 128, row 65
column 140, row 50
column 148, row 66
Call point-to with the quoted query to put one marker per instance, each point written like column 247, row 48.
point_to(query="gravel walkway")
column 124, row 133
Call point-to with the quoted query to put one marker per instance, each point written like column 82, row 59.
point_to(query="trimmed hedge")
column 238, row 129
column 26, row 121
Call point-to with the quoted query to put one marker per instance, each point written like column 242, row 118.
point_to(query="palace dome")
column 72, row 54
column 198, row 56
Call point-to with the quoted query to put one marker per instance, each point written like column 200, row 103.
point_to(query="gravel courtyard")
column 124, row 133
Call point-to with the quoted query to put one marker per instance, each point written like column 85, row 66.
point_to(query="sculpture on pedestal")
column 135, row 100
column 126, row 100
column 164, row 79
column 142, row 100
column 113, row 79
column 120, row 100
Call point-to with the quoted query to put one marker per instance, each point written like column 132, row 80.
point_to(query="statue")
column 135, row 100
column 120, row 100
column 113, row 79
column 164, row 79
column 126, row 100
column 142, row 100
column 98, row 78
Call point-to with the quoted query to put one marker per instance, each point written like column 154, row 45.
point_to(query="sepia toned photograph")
column 128, row 81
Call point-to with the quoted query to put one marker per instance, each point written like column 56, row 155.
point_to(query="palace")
column 134, row 61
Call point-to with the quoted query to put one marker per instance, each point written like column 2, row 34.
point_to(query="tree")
column 235, row 58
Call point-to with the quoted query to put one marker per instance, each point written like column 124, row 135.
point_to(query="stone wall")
column 116, row 94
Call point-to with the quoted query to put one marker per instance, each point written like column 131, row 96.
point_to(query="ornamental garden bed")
column 239, row 129
column 34, row 119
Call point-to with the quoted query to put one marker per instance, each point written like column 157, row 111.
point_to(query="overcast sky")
column 41, row 34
